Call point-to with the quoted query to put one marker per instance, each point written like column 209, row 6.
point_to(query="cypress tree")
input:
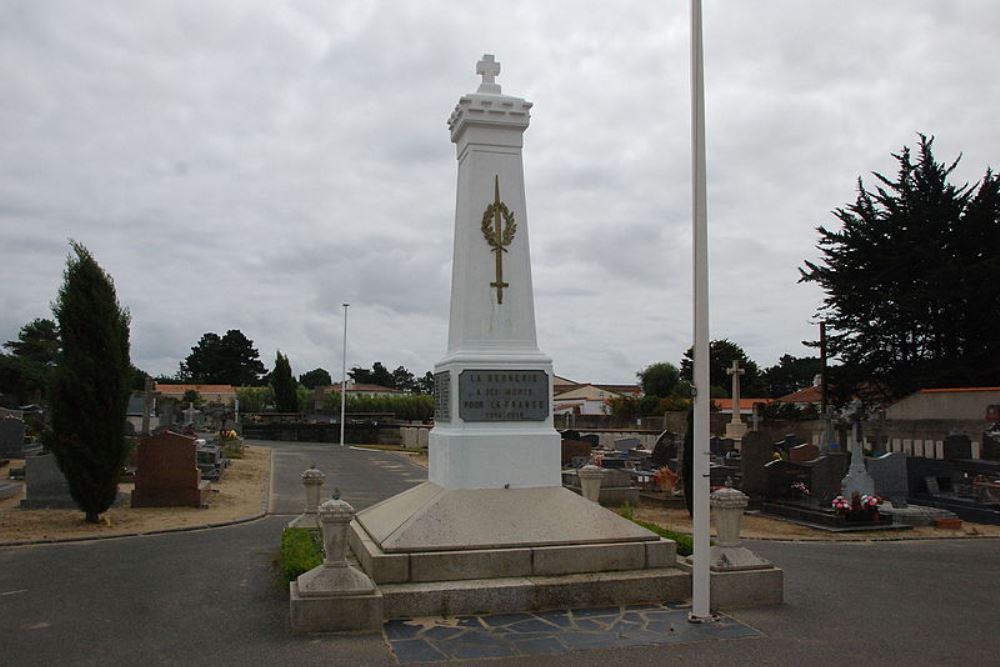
column 286, row 397
column 90, row 387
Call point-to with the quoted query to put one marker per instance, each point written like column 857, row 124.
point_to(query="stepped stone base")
column 434, row 551
column 512, row 594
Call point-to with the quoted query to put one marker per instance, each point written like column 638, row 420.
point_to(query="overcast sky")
column 254, row 164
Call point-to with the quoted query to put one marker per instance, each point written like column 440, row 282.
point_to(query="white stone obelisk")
column 493, row 422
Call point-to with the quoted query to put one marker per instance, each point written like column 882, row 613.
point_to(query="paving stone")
column 590, row 625
column 560, row 618
column 475, row 644
column 551, row 632
column 441, row 632
column 540, row 646
column 401, row 630
column 416, row 650
column 495, row 620
column 532, row 625
column 602, row 611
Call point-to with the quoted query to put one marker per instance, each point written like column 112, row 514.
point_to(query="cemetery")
column 37, row 506
column 496, row 509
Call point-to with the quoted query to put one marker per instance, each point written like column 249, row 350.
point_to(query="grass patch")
column 685, row 542
column 301, row 551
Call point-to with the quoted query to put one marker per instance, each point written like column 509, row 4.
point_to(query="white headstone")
column 493, row 423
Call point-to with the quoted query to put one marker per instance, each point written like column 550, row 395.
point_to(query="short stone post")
column 727, row 554
column 335, row 596
column 312, row 479
column 590, row 482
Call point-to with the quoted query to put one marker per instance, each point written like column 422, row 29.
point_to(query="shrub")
column 301, row 551
column 685, row 543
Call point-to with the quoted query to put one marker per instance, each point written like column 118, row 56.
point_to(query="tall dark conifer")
column 91, row 384
column 286, row 397
column 911, row 280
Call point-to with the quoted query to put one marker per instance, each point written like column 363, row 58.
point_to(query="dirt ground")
column 239, row 494
column 759, row 527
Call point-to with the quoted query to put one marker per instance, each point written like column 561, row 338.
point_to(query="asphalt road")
column 213, row 596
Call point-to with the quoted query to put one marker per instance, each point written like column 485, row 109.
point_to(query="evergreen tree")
column 286, row 398
column 91, row 384
column 230, row 359
column 791, row 374
column 721, row 354
column 38, row 341
column 318, row 377
column 911, row 280
column 659, row 379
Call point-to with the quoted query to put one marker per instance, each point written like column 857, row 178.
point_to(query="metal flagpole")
column 343, row 380
column 700, row 583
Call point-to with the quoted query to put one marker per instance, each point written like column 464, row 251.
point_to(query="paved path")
column 213, row 596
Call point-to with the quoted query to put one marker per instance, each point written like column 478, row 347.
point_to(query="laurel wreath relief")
column 498, row 240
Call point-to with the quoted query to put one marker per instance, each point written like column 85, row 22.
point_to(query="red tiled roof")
column 745, row 403
column 621, row 388
column 807, row 395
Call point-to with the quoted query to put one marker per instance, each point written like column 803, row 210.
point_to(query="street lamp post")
column 343, row 380
column 700, row 576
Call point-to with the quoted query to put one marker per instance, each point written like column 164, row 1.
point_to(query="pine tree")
column 91, row 384
column 286, row 397
column 912, row 296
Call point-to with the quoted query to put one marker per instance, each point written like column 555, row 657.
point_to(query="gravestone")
column 721, row 446
column 11, row 438
column 45, row 484
column 665, row 449
column 575, row 449
column 755, row 454
column 719, row 475
column 592, row 438
column 617, row 489
column 627, row 444
column 821, row 477
column 889, row 473
column 167, row 473
column 803, row 453
column 957, row 447
column 991, row 446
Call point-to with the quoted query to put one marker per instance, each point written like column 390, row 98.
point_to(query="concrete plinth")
column 340, row 613
column 432, row 550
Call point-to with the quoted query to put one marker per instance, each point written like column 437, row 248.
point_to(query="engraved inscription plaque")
column 442, row 392
column 503, row 395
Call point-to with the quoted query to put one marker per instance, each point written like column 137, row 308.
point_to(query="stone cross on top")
column 736, row 372
column 488, row 68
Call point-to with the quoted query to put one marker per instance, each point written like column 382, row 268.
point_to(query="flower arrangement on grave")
column 666, row 480
column 840, row 505
column 801, row 489
column 870, row 502
column 231, row 443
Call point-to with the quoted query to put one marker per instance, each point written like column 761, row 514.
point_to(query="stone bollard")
column 312, row 479
column 335, row 576
column 590, row 481
column 727, row 554
column 335, row 596
column 727, row 508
